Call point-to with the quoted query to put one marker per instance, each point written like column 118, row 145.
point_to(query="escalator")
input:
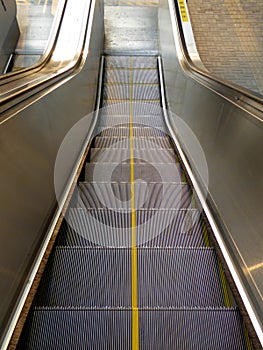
column 133, row 265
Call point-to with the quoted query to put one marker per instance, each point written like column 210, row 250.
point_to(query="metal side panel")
column 30, row 140
column 232, row 141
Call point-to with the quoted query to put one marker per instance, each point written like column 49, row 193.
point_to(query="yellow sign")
column 183, row 11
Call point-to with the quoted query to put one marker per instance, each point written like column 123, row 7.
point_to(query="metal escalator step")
column 136, row 108
column 137, row 121
column 102, row 278
column 108, row 102
column 120, row 172
column 77, row 329
column 186, row 277
column 134, row 76
column 86, row 277
column 125, row 132
column 142, row 142
column 115, row 155
column 126, row 61
column 116, row 195
column 154, row 228
column 122, row 91
column 197, row 329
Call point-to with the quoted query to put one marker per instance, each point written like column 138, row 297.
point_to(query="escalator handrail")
column 16, row 75
column 16, row 313
column 50, row 71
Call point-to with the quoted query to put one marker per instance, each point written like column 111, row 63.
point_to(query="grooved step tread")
column 155, row 228
column 149, row 155
column 124, row 142
column 117, row 195
column 120, row 172
column 142, row 91
column 106, row 142
column 138, row 109
column 102, row 278
column 137, row 121
column 137, row 75
column 125, row 132
column 110, row 329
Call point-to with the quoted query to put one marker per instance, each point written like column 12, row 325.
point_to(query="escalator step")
column 142, row 142
column 178, row 278
column 126, row 61
column 149, row 155
column 209, row 329
column 127, row 91
column 188, row 329
column 87, row 277
column 125, row 132
column 77, row 329
column 154, row 228
column 120, row 172
column 135, row 76
column 108, row 102
column 137, row 121
column 117, row 195
column 137, row 108
column 102, row 278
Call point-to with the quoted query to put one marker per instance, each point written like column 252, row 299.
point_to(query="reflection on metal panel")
column 9, row 32
column 30, row 140
column 232, row 141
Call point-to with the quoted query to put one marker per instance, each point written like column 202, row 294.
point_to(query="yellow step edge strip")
column 134, row 257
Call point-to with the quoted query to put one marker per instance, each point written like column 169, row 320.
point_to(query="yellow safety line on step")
column 45, row 7
column 134, row 257
column 222, row 276
column 205, row 234
column 224, row 285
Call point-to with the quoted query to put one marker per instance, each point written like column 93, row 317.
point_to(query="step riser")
column 116, row 155
column 155, row 228
column 149, row 196
column 122, row 172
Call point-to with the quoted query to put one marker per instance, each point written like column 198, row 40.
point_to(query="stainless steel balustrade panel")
column 232, row 141
column 30, row 141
